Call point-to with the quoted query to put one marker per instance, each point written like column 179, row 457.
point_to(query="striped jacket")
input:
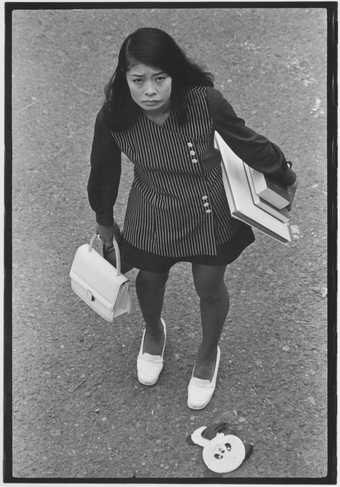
column 177, row 204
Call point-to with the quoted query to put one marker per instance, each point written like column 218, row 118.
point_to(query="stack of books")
column 253, row 198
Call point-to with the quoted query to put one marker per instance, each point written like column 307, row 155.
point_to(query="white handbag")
column 98, row 283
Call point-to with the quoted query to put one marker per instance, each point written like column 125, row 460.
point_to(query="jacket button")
column 204, row 197
column 190, row 144
column 208, row 211
column 194, row 161
column 206, row 204
column 192, row 153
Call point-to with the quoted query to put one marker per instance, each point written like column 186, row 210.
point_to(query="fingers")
column 116, row 232
column 108, row 233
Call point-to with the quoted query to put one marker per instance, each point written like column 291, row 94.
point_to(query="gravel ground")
column 78, row 410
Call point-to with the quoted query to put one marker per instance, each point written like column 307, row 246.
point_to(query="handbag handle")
column 116, row 247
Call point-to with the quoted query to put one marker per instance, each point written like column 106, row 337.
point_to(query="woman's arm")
column 254, row 149
column 105, row 172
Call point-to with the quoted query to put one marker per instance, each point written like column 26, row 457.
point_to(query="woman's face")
column 149, row 87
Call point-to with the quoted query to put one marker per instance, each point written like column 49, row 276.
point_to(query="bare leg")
column 150, row 288
column 214, row 306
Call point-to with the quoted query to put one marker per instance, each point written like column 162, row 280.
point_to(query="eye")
column 137, row 81
column 159, row 79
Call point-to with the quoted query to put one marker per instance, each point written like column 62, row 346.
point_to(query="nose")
column 150, row 88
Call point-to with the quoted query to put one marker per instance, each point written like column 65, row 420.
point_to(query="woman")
column 161, row 110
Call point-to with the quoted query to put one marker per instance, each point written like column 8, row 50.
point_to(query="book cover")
column 240, row 198
column 282, row 215
column 269, row 190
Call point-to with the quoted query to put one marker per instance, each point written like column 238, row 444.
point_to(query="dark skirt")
column 226, row 253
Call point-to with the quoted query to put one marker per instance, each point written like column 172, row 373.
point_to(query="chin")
column 152, row 109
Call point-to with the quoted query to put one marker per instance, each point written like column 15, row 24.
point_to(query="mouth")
column 151, row 102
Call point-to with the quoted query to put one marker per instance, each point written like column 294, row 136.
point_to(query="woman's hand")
column 107, row 233
column 291, row 192
column 116, row 232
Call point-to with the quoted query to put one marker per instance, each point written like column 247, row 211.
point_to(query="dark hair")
column 155, row 48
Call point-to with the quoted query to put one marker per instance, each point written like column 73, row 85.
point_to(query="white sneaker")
column 150, row 366
column 200, row 391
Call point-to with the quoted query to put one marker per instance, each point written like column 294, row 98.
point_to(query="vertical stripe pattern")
column 176, row 207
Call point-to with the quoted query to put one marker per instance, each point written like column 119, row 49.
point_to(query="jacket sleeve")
column 105, row 172
column 254, row 149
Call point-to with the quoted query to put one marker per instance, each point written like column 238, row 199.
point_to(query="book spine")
column 274, row 199
column 264, row 205
column 266, row 193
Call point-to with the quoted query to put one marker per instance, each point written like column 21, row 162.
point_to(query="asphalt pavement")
column 78, row 410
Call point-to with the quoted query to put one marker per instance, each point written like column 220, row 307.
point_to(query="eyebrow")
column 141, row 75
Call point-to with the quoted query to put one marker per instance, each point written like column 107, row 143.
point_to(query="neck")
column 162, row 111
column 158, row 115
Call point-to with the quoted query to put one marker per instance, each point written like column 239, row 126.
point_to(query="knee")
column 212, row 296
column 152, row 278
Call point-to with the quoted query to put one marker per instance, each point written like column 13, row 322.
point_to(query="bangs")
column 148, row 51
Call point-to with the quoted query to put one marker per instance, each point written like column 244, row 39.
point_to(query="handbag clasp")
column 90, row 296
